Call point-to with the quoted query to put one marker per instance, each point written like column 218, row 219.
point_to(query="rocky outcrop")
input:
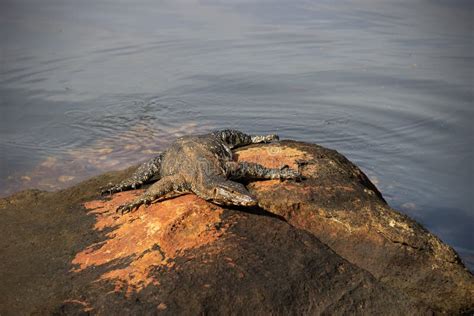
column 341, row 207
column 326, row 245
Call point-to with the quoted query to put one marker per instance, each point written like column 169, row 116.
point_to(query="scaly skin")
column 203, row 165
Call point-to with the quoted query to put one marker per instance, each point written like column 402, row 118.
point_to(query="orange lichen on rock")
column 273, row 156
column 148, row 237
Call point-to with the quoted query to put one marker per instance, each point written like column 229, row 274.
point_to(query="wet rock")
column 326, row 245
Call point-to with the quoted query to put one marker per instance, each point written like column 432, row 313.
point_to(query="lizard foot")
column 128, row 208
column 289, row 174
column 109, row 189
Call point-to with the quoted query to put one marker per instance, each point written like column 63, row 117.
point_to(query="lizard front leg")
column 161, row 188
column 144, row 173
column 254, row 171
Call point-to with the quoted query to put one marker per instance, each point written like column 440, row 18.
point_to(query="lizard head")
column 232, row 193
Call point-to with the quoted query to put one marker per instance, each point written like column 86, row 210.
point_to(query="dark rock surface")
column 326, row 245
column 339, row 205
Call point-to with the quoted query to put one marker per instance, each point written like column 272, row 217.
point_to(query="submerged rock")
column 328, row 244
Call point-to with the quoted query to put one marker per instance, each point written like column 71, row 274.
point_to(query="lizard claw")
column 272, row 137
column 128, row 208
column 290, row 174
column 107, row 189
column 105, row 192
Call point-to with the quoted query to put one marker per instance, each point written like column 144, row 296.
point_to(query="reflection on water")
column 90, row 86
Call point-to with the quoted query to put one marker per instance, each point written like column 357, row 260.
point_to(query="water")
column 90, row 86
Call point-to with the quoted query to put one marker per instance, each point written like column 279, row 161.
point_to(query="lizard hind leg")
column 165, row 187
column 234, row 138
column 143, row 174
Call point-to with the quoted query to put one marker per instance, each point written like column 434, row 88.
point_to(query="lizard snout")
column 247, row 200
column 234, row 196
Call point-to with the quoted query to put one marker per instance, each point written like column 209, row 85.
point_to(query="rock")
column 339, row 205
column 186, row 255
column 326, row 245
